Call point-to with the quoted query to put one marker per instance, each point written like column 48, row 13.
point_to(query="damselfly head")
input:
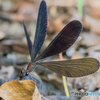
column 23, row 73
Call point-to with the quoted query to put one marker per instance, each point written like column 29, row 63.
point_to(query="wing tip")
column 78, row 23
column 98, row 66
column 43, row 2
column 23, row 24
column 97, row 62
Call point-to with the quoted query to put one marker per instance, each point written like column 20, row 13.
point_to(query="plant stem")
column 65, row 86
column 64, row 79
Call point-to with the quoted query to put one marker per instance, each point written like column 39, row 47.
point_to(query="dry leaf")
column 92, row 23
column 95, row 12
column 90, row 39
column 36, row 95
column 19, row 90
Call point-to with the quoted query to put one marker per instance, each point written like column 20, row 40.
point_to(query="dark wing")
column 63, row 40
column 28, row 38
column 40, row 30
column 73, row 68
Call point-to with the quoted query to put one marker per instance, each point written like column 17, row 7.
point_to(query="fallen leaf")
column 95, row 12
column 90, row 39
column 36, row 95
column 92, row 24
column 19, row 90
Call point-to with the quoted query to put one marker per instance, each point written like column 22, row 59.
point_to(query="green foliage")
column 80, row 6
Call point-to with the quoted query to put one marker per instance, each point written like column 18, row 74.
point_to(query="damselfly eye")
column 22, row 73
column 27, row 73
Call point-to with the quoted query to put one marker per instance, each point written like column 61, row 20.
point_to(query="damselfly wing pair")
column 67, row 36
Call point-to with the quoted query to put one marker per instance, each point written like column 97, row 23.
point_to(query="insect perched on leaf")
column 65, row 39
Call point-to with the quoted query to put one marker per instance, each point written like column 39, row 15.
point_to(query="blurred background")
column 14, row 53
